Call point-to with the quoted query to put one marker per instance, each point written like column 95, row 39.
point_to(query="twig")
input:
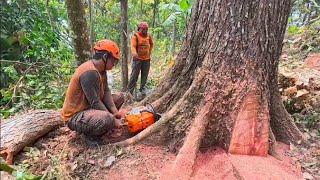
column 17, row 62
column 17, row 83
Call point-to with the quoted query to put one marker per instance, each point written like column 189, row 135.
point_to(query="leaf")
column 22, row 175
column 5, row 167
column 184, row 5
column 170, row 7
column 109, row 161
column 302, row 92
column 120, row 151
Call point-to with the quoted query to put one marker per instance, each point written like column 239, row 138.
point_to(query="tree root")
column 282, row 123
column 272, row 145
column 187, row 154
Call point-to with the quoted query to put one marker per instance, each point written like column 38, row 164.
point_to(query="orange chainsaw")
column 140, row 118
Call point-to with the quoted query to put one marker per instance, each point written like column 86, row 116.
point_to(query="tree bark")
column 79, row 27
column 23, row 130
column 223, row 85
column 92, row 38
column 124, row 44
column 155, row 12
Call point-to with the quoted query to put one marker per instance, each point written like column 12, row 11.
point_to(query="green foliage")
column 19, row 173
column 309, row 120
column 36, row 58
column 293, row 30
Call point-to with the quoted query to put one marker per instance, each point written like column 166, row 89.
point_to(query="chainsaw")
column 140, row 118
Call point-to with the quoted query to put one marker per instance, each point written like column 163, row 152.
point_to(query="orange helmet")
column 108, row 45
column 143, row 25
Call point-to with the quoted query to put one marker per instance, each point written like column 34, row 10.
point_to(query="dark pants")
column 95, row 123
column 137, row 66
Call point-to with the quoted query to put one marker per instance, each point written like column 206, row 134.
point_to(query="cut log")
column 25, row 129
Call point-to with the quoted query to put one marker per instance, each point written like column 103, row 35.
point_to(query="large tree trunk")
column 124, row 44
column 223, row 87
column 23, row 130
column 79, row 27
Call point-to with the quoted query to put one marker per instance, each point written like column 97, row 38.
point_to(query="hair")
column 100, row 54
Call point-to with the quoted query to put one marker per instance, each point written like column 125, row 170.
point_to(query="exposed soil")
column 63, row 155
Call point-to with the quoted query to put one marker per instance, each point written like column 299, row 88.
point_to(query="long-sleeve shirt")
column 91, row 87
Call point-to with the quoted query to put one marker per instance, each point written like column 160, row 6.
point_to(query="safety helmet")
column 143, row 25
column 108, row 45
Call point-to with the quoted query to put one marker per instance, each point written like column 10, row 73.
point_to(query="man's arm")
column 151, row 43
column 134, row 45
column 108, row 100
column 91, row 87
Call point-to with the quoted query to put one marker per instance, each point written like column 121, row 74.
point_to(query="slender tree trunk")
column 79, row 27
column 92, row 38
column 155, row 12
column 141, row 9
column 124, row 43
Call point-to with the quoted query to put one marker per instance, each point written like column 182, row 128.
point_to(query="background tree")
column 76, row 14
column 124, row 44
column 91, row 22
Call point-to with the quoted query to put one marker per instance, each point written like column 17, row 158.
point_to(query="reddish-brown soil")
column 62, row 154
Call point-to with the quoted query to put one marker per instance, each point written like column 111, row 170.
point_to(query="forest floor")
column 63, row 155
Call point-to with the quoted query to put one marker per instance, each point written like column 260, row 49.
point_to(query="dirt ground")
column 63, row 155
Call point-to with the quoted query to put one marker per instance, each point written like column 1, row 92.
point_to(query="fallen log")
column 25, row 129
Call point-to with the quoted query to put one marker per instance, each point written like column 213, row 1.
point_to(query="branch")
column 17, row 62
column 13, row 98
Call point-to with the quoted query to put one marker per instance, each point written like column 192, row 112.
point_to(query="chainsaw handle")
column 152, row 110
column 150, row 106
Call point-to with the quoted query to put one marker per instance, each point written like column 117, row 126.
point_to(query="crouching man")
column 89, row 107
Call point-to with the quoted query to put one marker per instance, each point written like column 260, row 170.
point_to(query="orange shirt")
column 75, row 100
column 141, row 46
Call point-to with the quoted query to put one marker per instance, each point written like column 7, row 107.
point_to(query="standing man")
column 141, row 47
column 89, row 108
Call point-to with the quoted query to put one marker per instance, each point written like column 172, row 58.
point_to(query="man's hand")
column 135, row 55
column 121, row 114
column 118, row 123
